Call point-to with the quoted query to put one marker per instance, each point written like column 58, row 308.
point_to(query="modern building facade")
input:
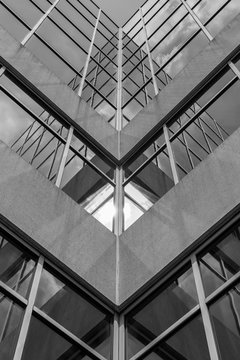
column 119, row 181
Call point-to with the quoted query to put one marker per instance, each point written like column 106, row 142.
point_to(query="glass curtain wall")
column 117, row 73
column 196, row 314
column 39, row 308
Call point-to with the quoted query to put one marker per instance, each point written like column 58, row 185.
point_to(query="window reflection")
column 10, row 320
column 169, row 305
column 221, row 262
column 16, row 267
column 189, row 343
column 65, row 305
column 44, row 343
column 225, row 315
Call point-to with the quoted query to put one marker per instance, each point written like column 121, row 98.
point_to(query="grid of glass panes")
column 192, row 136
column 41, row 139
column 196, row 315
column 43, row 315
column 174, row 37
column 63, row 42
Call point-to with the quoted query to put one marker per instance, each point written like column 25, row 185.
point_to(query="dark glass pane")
column 10, row 320
column 220, row 262
column 225, row 315
column 16, row 267
column 189, row 343
column 45, row 344
column 161, row 312
column 74, row 312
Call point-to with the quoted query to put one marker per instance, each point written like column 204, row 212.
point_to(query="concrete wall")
column 181, row 217
column 180, row 89
column 30, row 70
column 56, row 224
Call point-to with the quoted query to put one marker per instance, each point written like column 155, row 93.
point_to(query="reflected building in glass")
column 120, row 181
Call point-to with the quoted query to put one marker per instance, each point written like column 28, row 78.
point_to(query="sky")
column 119, row 10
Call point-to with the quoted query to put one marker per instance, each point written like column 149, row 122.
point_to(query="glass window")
column 167, row 306
column 10, row 321
column 188, row 343
column 16, row 267
column 220, row 262
column 225, row 316
column 44, row 343
column 224, row 17
column 74, row 312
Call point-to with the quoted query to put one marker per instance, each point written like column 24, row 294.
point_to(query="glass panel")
column 131, row 211
column 105, row 214
column 43, row 343
column 224, row 17
column 9, row 22
column 16, row 267
column 162, row 311
column 27, row 137
column 65, row 305
column 225, row 316
column 10, row 321
column 25, row 10
column 221, row 262
column 188, row 343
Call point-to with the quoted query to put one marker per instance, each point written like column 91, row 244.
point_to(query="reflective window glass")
column 10, row 321
column 16, row 267
column 169, row 305
column 44, row 343
column 74, row 312
column 220, row 262
column 188, row 343
column 225, row 315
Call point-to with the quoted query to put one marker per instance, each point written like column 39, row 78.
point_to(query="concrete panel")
column 30, row 70
column 181, row 88
column 182, row 216
column 56, row 224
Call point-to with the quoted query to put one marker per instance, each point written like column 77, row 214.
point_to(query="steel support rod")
column 39, row 23
column 2, row 70
column 197, row 20
column 148, row 52
column 85, row 69
column 171, row 155
column 64, row 158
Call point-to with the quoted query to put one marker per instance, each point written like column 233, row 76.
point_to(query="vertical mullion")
column 116, row 337
column 121, row 337
column 28, row 310
column 64, row 157
column 119, row 83
column 204, row 311
column 85, row 69
column 39, row 23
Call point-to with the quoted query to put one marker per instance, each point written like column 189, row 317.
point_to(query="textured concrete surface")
column 29, row 69
column 181, row 88
column 57, row 224
column 182, row 216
